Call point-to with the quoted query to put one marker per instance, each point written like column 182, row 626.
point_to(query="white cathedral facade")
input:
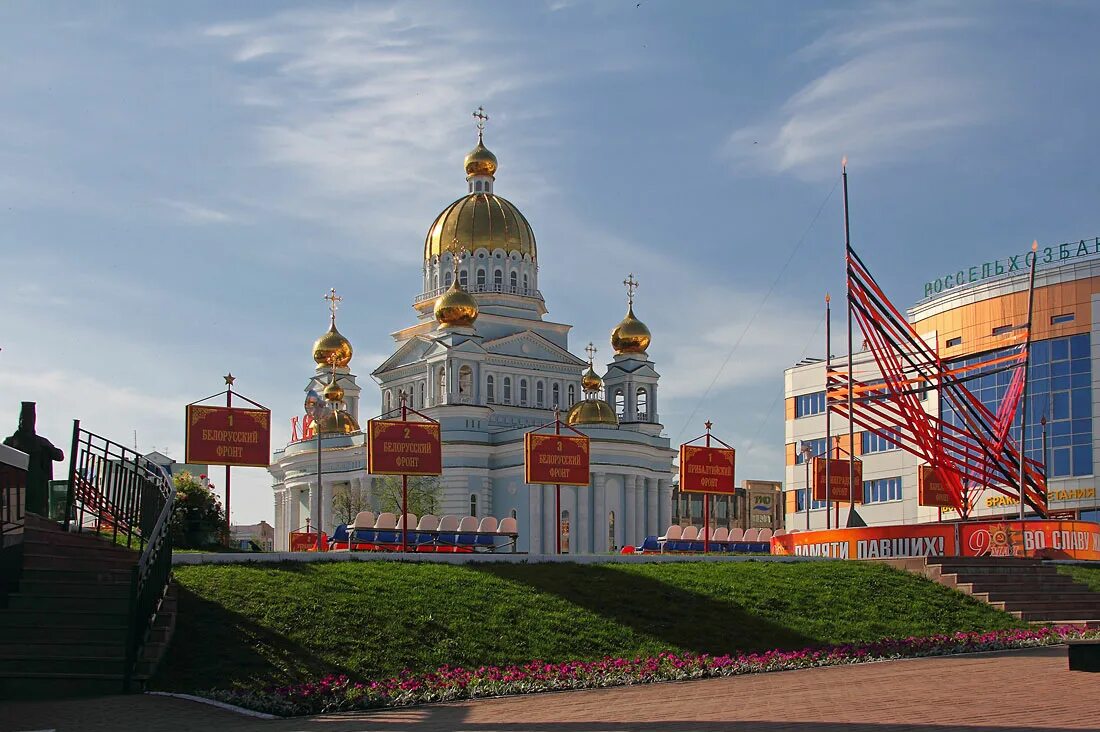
column 482, row 360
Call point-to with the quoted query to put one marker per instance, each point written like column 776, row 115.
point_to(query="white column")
column 630, row 510
column 651, row 519
column 664, row 509
column 534, row 521
column 326, row 508
column 549, row 543
column 639, row 509
column 584, row 519
column 599, row 514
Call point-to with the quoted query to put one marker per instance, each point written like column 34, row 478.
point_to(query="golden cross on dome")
column 591, row 351
column 481, row 118
column 333, row 298
column 631, row 286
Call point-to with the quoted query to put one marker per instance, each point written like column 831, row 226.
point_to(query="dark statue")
column 42, row 456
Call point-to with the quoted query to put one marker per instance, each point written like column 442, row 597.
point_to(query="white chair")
column 721, row 534
column 507, row 526
column 765, row 535
column 363, row 520
column 690, row 533
column 408, row 519
column 428, row 523
column 673, row 533
column 736, row 535
column 386, row 520
column 779, row 532
column 751, row 535
column 488, row 525
column 448, row 524
column 467, row 525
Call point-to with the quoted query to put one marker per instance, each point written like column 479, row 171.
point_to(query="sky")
column 181, row 183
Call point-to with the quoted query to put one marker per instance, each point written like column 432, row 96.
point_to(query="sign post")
column 556, row 459
column 229, row 436
column 404, row 447
column 707, row 470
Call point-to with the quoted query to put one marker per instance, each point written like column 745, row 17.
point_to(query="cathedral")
column 482, row 359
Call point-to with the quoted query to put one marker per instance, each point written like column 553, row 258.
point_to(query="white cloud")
column 198, row 214
column 899, row 83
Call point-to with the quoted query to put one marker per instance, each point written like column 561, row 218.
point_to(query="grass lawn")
column 1086, row 575
column 259, row 625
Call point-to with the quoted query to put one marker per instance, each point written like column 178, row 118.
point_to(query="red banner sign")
column 555, row 459
column 839, row 488
column 397, row 447
column 306, row 541
column 1038, row 538
column 930, row 489
column 707, row 470
column 228, row 436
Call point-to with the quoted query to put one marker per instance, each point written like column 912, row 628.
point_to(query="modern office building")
column 970, row 317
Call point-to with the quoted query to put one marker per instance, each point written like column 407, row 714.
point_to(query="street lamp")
column 807, row 453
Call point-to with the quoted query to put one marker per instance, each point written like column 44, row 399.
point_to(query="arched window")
column 498, row 280
column 435, row 280
column 513, row 282
column 442, row 395
column 572, row 394
column 642, row 404
column 611, row 531
column 514, row 515
column 507, row 389
column 465, row 383
column 525, row 282
column 464, row 278
column 540, row 394
column 490, row 389
column 473, row 505
column 387, row 400
column 422, row 394
column 480, row 279
column 620, row 403
column 555, row 395
column 523, row 392
column 447, row 282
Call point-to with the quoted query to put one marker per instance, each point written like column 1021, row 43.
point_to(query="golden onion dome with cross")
column 332, row 349
column 591, row 411
column 480, row 219
column 455, row 307
column 590, row 380
column 630, row 335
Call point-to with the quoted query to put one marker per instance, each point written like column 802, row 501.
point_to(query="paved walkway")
column 1001, row 692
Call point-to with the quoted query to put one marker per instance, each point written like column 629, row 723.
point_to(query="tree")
column 198, row 519
column 347, row 502
column 424, row 494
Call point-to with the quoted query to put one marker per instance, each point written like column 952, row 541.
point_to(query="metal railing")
column 475, row 288
column 13, row 498
column 118, row 494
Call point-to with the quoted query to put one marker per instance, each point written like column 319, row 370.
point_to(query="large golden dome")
column 476, row 221
column 330, row 344
column 591, row 411
column 334, row 392
column 480, row 161
column 455, row 307
column 631, row 335
column 338, row 422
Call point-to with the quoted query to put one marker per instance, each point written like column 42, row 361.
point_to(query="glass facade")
column 876, row 443
column 1059, row 390
column 808, row 404
column 817, row 447
column 800, row 501
column 882, row 489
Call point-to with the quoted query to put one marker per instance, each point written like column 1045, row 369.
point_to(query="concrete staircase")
column 1027, row 588
column 63, row 631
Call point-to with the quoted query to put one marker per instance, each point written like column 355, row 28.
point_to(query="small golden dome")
column 334, row 392
column 332, row 343
column 337, row 421
column 591, row 411
column 590, row 380
column 480, row 161
column 631, row 335
column 455, row 307
column 480, row 221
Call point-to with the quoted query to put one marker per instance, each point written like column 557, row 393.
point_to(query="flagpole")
column 828, row 413
column 1027, row 359
column 851, row 367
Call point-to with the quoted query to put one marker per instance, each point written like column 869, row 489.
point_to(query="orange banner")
column 398, row 447
column 1040, row 538
column 555, row 459
column 228, row 436
column 707, row 470
column 838, row 480
column 930, row 489
column 306, row 541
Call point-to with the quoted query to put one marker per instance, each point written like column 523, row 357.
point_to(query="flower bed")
column 339, row 693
